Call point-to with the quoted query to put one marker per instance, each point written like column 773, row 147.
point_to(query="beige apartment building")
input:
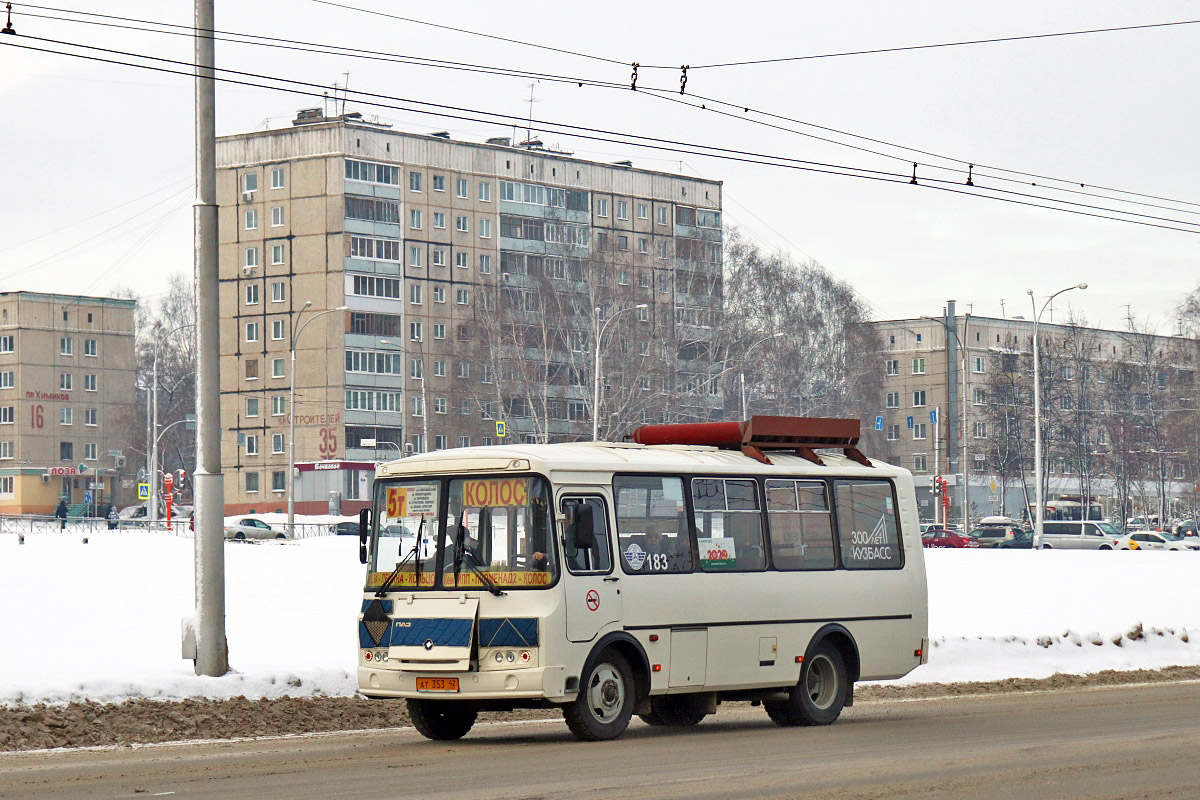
column 66, row 401
column 1119, row 420
column 412, row 275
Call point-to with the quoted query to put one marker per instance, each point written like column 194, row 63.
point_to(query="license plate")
column 437, row 684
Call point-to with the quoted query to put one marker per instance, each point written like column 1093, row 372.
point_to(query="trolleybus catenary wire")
column 664, row 94
column 582, row 132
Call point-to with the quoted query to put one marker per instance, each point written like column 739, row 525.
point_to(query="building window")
column 461, row 296
column 415, row 256
column 66, row 451
column 979, row 364
column 414, row 182
column 460, row 224
column 66, row 346
column 277, row 329
column 416, row 369
column 251, row 406
column 439, row 406
column 622, row 242
column 277, row 178
column 893, row 399
column 460, row 188
column 485, row 192
column 980, row 430
column 276, row 216
column 414, row 331
column 6, row 415
column 662, row 215
column 277, row 370
column 251, row 257
column 439, row 219
column 918, row 366
column 251, row 482
column 485, row 265
column 644, row 314
column 463, row 441
column 439, row 257
column 6, row 344
column 643, row 211
column 643, row 245
column 918, row 398
column 920, row 431
column 278, row 480
column 622, row 209
column 439, row 330
column 278, row 292
column 65, row 381
column 979, row 397
column 90, row 417
column 439, row 294
column 66, row 416
column 89, row 451
column 277, row 254
column 251, row 219
column 251, row 331
column 251, row 369
column 278, row 405
column 485, row 228
column 415, row 295
column 89, row 383
column 277, row 443
column 418, row 406
column 602, row 206
column 7, row 379
column 439, row 183
column 91, row 347
column 6, row 450
column 414, row 219
column 252, row 294
column 464, row 369
column 920, row 463
column 893, row 432
column 891, row 367
column 250, row 182
column 251, row 444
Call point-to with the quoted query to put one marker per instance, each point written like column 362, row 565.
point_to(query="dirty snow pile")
column 101, row 620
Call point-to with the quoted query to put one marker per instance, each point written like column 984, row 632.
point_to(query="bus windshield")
column 499, row 528
column 405, row 533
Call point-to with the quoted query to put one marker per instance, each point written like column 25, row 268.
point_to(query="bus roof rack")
column 759, row 434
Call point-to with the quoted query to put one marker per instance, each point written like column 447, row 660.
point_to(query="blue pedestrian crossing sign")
column 501, row 429
column 143, row 491
column 933, row 416
column 879, row 423
column 910, row 423
column 87, row 498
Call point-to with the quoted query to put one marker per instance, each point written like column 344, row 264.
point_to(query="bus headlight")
column 510, row 656
column 499, row 657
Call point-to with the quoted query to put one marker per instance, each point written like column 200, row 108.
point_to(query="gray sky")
column 1112, row 109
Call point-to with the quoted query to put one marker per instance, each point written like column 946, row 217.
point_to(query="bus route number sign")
column 411, row 501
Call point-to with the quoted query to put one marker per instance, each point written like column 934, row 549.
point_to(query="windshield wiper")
column 417, row 565
column 460, row 551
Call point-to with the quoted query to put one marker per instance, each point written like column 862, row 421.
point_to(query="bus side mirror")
column 364, row 532
column 578, row 533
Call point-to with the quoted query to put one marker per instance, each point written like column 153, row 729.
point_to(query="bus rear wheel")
column 819, row 696
column 679, row 710
column 441, row 720
column 606, row 699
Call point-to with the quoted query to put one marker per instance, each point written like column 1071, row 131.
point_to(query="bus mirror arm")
column 364, row 532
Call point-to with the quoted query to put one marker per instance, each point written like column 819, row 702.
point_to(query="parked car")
column 994, row 535
column 940, row 537
column 1142, row 523
column 1187, row 527
column 251, row 528
column 1153, row 540
column 345, row 528
column 1079, row 535
column 1023, row 540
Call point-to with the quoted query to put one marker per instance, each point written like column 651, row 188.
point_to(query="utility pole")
column 952, row 418
column 212, row 651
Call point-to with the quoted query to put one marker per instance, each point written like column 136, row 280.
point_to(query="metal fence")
column 38, row 523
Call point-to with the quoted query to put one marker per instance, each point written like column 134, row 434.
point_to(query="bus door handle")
column 611, row 579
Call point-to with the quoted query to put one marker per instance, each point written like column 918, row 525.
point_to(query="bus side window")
column 867, row 525
column 801, row 526
column 728, row 525
column 652, row 529
column 597, row 556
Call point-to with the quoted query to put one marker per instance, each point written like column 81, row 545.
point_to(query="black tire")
column 818, row 698
column 607, row 695
column 1105, row 547
column 676, row 710
column 442, row 720
column 280, row 536
column 1047, row 547
column 239, row 535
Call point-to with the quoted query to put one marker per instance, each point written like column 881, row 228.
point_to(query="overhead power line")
column 979, row 170
column 596, row 134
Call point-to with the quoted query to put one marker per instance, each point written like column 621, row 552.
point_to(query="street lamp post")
column 742, row 369
column 424, row 395
column 152, row 444
column 596, row 370
column 1040, row 514
column 291, row 410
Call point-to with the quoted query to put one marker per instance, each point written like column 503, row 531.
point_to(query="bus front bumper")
column 526, row 684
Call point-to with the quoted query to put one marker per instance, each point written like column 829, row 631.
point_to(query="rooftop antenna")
column 1129, row 315
column 1002, row 309
column 529, row 126
column 325, row 103
column 345, row 90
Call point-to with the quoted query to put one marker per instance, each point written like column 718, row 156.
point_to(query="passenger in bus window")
column 667, row 553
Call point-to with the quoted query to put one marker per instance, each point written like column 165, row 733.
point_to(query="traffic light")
column 938, row 484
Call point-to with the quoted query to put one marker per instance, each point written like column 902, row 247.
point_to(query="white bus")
column 619, row 579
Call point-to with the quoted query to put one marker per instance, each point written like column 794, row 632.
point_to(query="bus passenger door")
column 592, row 585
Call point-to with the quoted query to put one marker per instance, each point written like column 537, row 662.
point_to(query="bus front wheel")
column 820, row 694
column 441, row 720
column 606, row 699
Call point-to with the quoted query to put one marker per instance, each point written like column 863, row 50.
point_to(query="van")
column 1079, row 535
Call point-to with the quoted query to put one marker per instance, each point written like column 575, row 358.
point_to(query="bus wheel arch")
column 635, row 656
column 609, row 689
column 844, row 641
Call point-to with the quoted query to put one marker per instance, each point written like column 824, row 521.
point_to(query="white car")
column 1153, row 540
column 251, row 528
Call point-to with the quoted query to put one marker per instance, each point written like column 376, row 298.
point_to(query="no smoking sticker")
column 593, row 600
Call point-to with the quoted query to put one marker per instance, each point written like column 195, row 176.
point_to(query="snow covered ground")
column 101, row 620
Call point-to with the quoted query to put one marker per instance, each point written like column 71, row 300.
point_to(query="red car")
column 940, row 537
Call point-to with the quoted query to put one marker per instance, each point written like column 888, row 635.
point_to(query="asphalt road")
column 1097, row 744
